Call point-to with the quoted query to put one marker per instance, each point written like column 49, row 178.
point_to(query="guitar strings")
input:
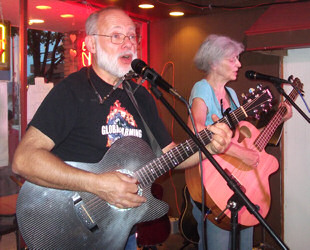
column 262, row 141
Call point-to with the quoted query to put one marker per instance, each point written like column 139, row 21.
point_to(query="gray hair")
column 214, row 49
column 91, row 25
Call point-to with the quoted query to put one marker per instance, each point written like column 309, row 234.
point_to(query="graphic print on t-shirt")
column 120, row 123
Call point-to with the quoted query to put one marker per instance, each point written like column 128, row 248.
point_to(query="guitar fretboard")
column 262, row 140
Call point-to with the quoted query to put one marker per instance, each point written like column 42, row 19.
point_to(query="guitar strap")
column 227, row 111
column 154, row 144
column 228, row 93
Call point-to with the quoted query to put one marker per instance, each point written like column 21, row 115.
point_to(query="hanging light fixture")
column 146, row 5
column 176, row 13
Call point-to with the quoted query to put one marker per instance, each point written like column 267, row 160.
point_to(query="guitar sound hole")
column 244, row 133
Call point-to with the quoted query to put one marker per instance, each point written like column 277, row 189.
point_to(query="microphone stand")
column 282, row 92
column 238, row 199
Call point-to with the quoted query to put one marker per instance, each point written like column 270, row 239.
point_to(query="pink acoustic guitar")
column 253, row 181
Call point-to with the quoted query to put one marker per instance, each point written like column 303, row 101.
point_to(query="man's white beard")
column 109, row 63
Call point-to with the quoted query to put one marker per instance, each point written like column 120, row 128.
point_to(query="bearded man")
column 84, row 115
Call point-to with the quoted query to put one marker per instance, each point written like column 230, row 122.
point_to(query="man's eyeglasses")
column 119, row 38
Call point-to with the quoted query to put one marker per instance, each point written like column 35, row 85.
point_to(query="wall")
column 173, row 44
column 177, row 40
column 297, row 158
column 4, row 152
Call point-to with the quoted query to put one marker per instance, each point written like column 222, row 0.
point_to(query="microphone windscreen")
column 138, row 65
column 250, row 74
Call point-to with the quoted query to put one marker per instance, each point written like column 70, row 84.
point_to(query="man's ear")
column 90, row 43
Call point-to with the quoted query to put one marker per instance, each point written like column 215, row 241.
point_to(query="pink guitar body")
column 254, row 181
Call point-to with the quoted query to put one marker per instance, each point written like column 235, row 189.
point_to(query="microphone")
column 142, row 69
column 258, row 76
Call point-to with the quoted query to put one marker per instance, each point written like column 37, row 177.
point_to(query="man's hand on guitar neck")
column 220, row 140
column 221, row 136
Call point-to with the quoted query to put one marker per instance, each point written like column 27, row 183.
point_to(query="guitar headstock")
column 297, row 84
column 258, row 100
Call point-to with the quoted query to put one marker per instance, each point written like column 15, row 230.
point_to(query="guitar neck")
column 264, row 137
column 154, row 169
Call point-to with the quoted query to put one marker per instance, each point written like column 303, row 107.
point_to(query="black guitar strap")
column 228, row 93
column 154, row 144
column 227, row 111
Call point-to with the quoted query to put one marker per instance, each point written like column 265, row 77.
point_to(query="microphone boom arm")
column 282, row 92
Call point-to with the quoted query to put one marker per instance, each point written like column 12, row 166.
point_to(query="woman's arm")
column 200, row 111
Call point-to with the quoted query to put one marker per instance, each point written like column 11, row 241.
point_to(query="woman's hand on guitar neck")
column 288, row 113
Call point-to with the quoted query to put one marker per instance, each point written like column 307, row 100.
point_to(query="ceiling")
column 82, row 8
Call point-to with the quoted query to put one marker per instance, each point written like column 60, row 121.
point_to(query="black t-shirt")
column 82, row 129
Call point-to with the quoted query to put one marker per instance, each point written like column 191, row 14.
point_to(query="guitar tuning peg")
column 244, row 96
column 290, row 78
column 259, row 86
column 251, row 90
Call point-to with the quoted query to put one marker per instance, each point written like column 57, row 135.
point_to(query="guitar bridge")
column 83, row 214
